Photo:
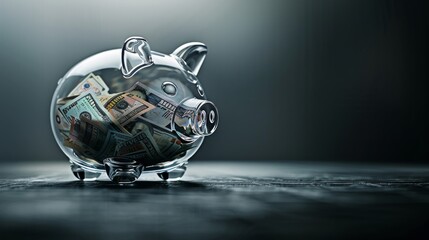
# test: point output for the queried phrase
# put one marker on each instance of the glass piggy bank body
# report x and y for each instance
(132, 110)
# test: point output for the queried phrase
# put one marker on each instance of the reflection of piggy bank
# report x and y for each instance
(131, 110)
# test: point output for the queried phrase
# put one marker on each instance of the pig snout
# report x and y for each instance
(195, 118)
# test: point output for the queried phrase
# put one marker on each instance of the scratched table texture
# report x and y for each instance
(219, 200)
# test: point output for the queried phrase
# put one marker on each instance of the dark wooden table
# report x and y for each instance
(219, 200)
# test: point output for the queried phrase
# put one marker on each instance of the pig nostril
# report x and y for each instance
(202, 118)
(212, 116)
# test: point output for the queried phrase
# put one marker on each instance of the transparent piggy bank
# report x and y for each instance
(131, 111)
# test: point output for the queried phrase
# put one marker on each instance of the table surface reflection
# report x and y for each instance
(219, 200)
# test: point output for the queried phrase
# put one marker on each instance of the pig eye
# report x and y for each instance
(200, 90)
(169, 88)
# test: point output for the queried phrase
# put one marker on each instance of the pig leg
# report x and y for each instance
(175, 174)
(83, 175)
(122, 170)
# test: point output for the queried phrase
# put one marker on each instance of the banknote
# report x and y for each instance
(94, 138)
(91, 133)
(64, 133)
(79, 147)
(168, 143)
(90, 83)
(87, 105)
(142, 147)
(61, 123)
(139, 126)
(106, 97)
(163, 112)
(112, 140)
(65, 100)
(126, 107)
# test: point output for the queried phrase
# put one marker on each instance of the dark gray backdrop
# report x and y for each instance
(313, 80)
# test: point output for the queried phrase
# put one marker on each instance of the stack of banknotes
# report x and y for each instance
(135, 123)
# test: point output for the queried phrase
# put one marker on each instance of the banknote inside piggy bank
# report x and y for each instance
(130, 110)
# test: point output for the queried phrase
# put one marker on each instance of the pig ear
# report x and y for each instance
(135, 56)
(193, 54)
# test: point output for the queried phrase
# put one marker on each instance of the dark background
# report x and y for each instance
(293, 80)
